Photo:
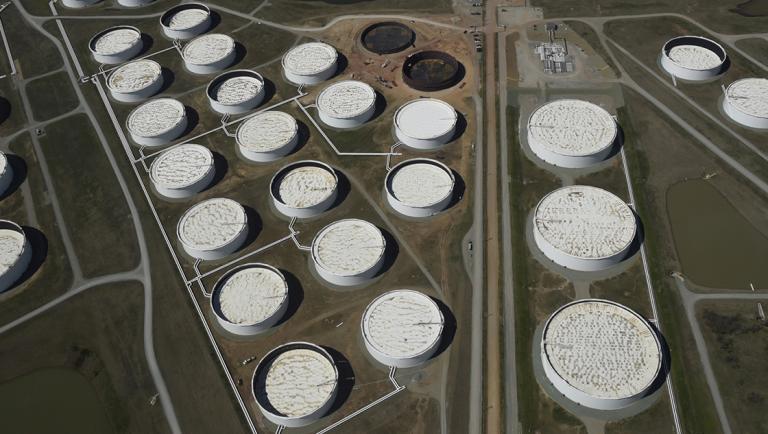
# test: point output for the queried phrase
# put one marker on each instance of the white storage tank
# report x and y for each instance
(236, 92)
(6, 173)
(746, 102)
(213, 229)
(186, 21)
(134, 3)
(420, 187)
(310, 63)
(135, 81)
(267, 136)
(182, 171)
(209, 54)
(584, 228)
(402, 328)
(295, 384)
(346, 104)
(693, 58)
(250, 299)
(116, 45)
(157, 122)
(15, 254)
(348, 252)
(304, 189)
(601, 354)
(425, 123)
(77, 4)
(572, 133)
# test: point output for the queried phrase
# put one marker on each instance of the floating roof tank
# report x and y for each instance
(420, 187)
(295, 369)
(134, 3)
(250, 299)
(182, 171)
(425, 123)
(236, 92)
(746, 102)
(601, 354)
(157, 122)
(310, 63)
(15, 254)
(346, 104)
(584, 228)
(79, 3)
(693, 58)
(402, 328)
(116, 45)
(6, 173)
(213, 229)
(135, 81)
(348, 252)
(186, 21)
(208, 54)
(304, 189)
(267, 136)
(572, 133)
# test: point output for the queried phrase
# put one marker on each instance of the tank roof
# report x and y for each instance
(572, 127)
(188, 18)
(310, 58)
(267, 131)
(346, 99)
(116, 40)
(348, 247)
(585, 222)
(306, 185)
(156, 117)
(134, 76)
(181, 166)
(207, 49)
(750, 96)
(426, 118)
(212, 224)
(602, 349)
(12, 244)
(421, 182)
(251, 294)
(237, 89)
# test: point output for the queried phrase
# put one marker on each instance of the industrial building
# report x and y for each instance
(208, 54)
(268, 136)
(572, 133)
(182, 171)
(420, 187)
(116, 45)
(601, 354)
(235, 92)
(15, 254)
(746, 102)
(135, 81)
(213, 229)
(693, 58)
(186, 21)
(402, 328)
(79, 3)
(250, 299)
(584, 228)
(425, 123)
(346, 104)
(6, 173)
(295, 384)
(310, 63)
(348, 252)
(304, 189)
(157, 122)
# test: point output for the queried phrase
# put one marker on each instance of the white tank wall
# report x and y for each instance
(164, 138)
(313, 78)
(188, 191)
(141, 94)
(16, 270)
(134, 3)
(345, 123)
(688, 73)
(569, 161)
(121, 57)
(402, 362)
(269, 156)
(211, 68)
(187, 33)
(351, 280)
(426, 144)
(574, 263)
(79, 3)
(6, 178)
(307, 212)
(221, 252)
(744, 118)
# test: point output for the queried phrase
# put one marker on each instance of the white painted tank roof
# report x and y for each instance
(749, 95)
(267, 131)
(116, 41)
(212, 224)
(403, 323)
(421, 184)
(187, 18)
(181, 166)
(348, 247)
(426, 118)
(310, 58)
(299, 382)
(694, 57)
(11, 247)
(3, 162)
(585, 222)
(134, 76)
(346, 99)
(252, 295)
(306, 186)
(572, 127)
(235, 90)
(602, 349)
(208, 49)
(156, 117)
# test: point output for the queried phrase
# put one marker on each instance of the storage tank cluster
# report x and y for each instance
(584, 228)
(572, 133)
(208, 54)
(310, 63)
(157, 122)
(425, 123)
(15, 254)
(6, 173)
(213, 229)
(267, 136)
(304, 189)
(116, 45)
(601, 354)
(746, 102)
(182, 171)
(693, 58)
(235, 92)
(420, 187)
(135, 81)
(186, 21)
(346, 104)
(348, 252)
